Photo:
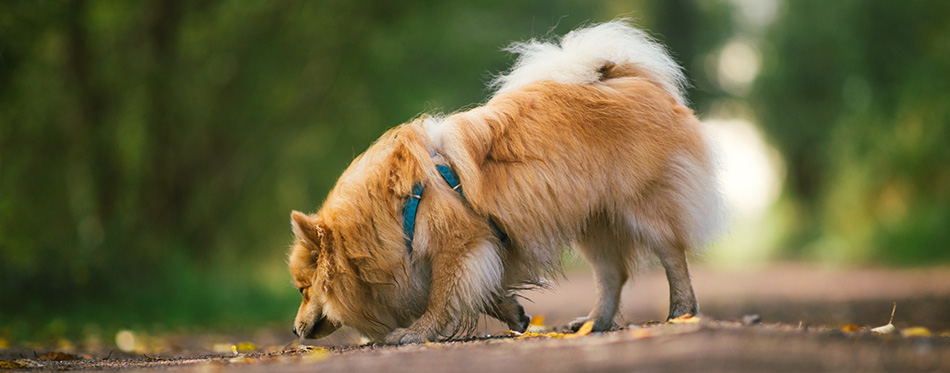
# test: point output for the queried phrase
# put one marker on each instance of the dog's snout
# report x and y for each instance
(294, 330)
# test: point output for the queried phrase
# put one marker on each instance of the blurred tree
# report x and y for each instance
(855, 94)
(150, 152)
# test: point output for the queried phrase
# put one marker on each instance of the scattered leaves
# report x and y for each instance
(537, 330)
(4, 364)
(57, 356)
(20, 363)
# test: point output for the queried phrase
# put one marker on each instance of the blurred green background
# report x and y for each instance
(151, 151)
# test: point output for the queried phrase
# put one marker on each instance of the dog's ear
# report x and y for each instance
(310, 232)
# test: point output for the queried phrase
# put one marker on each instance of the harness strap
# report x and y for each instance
(453, 181)
(409, 214)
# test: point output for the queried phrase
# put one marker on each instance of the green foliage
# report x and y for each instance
(854, 93)
(151, 151)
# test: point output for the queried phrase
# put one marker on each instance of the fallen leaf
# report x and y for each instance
(4, 364)
(245, 347)
(27, 363)
(886, 329)
(916, 332)
(582, 331)
(889, 328)
(685, 319)
(316, 354)
(850, 328)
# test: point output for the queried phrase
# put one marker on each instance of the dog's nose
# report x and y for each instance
(295, 331)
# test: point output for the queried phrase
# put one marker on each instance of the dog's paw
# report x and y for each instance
(680, 310)
(406, 336)
(599, 325)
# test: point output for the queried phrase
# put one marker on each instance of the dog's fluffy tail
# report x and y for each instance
(581, 56)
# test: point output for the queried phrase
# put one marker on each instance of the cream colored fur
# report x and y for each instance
(583, 144)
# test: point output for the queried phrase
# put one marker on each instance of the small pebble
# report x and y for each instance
(751, 319)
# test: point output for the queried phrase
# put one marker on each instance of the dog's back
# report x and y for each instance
(595, 126)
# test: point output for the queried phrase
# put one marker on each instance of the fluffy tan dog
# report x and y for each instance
(586, 142)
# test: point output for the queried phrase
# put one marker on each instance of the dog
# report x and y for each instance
(586, 141)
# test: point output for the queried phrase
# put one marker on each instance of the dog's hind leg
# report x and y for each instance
(682, 298)
(507, 309)
(610, 258)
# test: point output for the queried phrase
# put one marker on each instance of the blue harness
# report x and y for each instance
(412, 203)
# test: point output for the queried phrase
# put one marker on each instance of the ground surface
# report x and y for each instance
(812, 319)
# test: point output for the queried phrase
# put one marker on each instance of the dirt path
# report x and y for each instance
(803, 310)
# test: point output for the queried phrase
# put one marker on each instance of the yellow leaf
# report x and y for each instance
(245, 347)
(584, 330)
(534, 335)
(915, 332)
(4, 364)
(316, 354)
(850, 328)
(685, 319)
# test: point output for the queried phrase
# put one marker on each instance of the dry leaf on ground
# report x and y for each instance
(685, 319)
(889, 328)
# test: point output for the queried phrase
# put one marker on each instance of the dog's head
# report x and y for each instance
(310, 266)
(349, 260)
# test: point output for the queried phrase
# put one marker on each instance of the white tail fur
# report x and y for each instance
(581, 53)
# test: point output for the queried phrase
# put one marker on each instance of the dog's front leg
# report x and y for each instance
(464, 280)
